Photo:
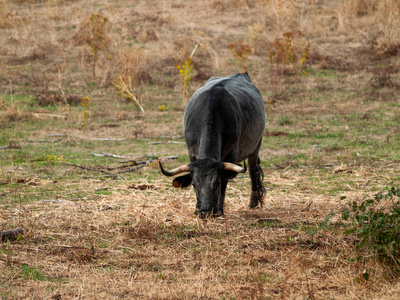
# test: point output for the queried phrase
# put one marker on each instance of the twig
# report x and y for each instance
(131, 161)
(107, 139)
(43, 141)
(140, 165)
(133, 169)
(4, 194)
(48, 115)
(167, 142)
(194, 50)
(58, 135)
(88, 168)
(171, 136)
(114, 176)
(98, 155)
(11, 234)
(168, 157)
(116, 156)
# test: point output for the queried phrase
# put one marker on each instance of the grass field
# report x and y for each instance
(79, 159)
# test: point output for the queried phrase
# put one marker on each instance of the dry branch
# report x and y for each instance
(167, 142)
(107, 139)
(168, 157)
(114, 176)
(140, 165)
(43, 141)
(58, 135)
(11, 234)
(88, 168)
(103, 154)
(132, 169)
(39, 115)
(171, 136)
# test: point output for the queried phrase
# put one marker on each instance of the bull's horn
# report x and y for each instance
(181, 169)
(235, 168)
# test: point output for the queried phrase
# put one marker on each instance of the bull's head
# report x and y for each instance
(208, 178)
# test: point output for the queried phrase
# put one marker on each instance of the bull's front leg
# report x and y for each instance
(221, 200)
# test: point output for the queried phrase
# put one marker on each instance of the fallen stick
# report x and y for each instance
(88, 168)
(132, 169)
(48, 115)
(98, 155)
(168, 157)
(97, 177)
(4, 194)
(140, 165)
(107, 139)
(58, 135)
(115, 156)
(171, 136)
(167, 142)
(131, 161)
(10, 235)
(120, 167)
(43, 141)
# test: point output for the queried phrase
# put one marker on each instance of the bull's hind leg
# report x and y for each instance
(256, 175)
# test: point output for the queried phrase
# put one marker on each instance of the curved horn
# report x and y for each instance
(181, 169)
(235, 168)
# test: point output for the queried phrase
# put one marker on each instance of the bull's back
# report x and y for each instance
(244, 102)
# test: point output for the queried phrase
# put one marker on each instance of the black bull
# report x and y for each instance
(223, 125)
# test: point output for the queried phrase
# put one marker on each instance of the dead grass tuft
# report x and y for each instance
(3, 13)
(258, 38)
(375, 23)
(56, 99)
(15, 114)
(132, 64)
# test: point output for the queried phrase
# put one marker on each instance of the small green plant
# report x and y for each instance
(86, 105)
(241, 52)
(12, 75)
(378, 228)
(97, 36)
(185, 71)
(375, 225)
(53, 159)
(31, 273)
(285, 120)
(290, 51)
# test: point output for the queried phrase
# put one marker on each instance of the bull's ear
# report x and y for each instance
(182, 181)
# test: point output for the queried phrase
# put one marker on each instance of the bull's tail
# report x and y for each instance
(260, 186)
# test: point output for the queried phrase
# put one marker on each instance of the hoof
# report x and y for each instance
(255, 199)
(204, 214)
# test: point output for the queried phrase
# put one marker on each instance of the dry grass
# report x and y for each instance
(332, 134)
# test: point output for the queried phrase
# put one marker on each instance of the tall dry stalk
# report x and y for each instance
(125, 90)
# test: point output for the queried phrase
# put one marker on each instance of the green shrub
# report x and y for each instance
(378, 228)
(375, 224)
